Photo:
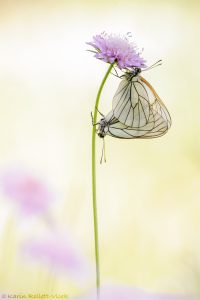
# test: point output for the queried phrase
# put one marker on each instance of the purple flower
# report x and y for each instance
(57, 251)
(114, 48)
(30, 193)
(131, 293)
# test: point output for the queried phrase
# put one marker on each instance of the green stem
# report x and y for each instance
(96, 237)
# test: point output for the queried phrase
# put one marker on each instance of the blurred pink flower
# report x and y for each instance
(31, 194)
(131, 293)
(57, 251)
(114, 48)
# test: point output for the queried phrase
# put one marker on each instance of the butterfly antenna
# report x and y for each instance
(104, 149)
(101, 156)
(103, 153)
(156, 64)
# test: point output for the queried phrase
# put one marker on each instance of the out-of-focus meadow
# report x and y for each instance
(148, 191)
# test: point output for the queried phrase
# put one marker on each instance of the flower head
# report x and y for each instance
(114, 48)
(57, 251)
(30, 193)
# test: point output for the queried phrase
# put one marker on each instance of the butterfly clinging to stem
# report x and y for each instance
(137, 110)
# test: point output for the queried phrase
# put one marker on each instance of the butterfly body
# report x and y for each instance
(133, 73)
(102, 127)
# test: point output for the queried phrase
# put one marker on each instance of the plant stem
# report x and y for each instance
(96, 236)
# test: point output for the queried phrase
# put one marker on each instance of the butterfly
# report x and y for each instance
(137, 110)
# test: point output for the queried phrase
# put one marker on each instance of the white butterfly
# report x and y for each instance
(137, 112)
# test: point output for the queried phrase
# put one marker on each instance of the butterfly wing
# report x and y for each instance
(119, 130)
(158, 124)
(156, 127)
(157, 105)
(131, 103)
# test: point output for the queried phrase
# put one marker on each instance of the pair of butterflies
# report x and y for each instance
(137, 110)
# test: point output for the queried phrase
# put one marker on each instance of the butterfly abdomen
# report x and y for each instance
(102, 128)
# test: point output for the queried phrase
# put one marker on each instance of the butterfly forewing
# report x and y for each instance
(131, 105)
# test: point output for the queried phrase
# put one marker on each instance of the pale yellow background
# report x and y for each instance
(148, 191)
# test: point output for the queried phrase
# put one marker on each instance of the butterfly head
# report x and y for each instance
(136, 71)
(133, 73)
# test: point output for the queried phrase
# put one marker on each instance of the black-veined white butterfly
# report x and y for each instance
(133, 99)
(138, 111)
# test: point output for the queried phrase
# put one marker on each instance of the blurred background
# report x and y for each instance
(148, 191)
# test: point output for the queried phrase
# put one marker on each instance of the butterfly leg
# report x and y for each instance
(99, 112)
(116, 74)
(93, 121)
